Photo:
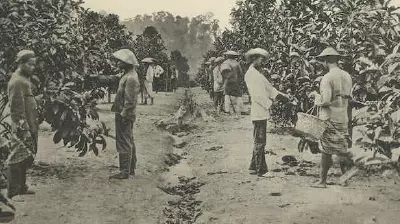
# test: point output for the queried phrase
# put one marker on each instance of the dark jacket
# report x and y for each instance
(127, 94)
(233, 77)
(23, 104)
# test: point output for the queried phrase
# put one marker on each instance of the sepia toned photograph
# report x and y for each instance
(200, 112)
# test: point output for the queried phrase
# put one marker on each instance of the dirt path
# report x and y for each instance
(210, 184)
(219, 154)
(76, 190)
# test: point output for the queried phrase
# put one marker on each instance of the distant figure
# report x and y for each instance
(148, 82)
(24, 123)
(218, 85)
(233, 78)
(174, 79)
(210, 76)
(124, 108)
(158, 71)
(335, 90)
(262, 95)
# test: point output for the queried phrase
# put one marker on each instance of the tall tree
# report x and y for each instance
(181, 64)
(192, 37)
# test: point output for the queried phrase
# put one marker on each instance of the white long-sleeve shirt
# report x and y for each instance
(262, 94)
(158, 71)
(150, 74)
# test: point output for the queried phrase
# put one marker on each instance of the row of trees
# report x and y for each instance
(192, 37)
(295, 31)
(73, 45)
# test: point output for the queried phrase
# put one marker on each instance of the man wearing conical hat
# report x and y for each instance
(24, 123)
(148, 82)
(124, 108)
(233, 80)
(333, 100)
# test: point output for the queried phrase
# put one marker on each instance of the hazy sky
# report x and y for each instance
(130, 8)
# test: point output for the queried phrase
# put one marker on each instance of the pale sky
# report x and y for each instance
(190, 8)
(130, 8)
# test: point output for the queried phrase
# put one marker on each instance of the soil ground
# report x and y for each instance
(76, 190)
(236, 197)
(70, 189)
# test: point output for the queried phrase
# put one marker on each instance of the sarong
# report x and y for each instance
(23, 146)
(334, 139)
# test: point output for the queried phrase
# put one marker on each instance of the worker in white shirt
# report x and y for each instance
(148, 82)
(262, 95)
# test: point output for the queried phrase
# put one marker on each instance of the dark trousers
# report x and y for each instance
(173, 84)
(157, 84)
(218, 100)
(258, 162)
(16, 178)
(125, 144)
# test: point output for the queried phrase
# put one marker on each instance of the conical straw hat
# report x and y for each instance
(256, 51)
(126, 56)
(328, 52)
(233, 53)
(148, 60)
(219, 59)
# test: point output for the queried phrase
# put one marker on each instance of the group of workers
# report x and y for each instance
(225, 81)
(332, 100)
(227, 77)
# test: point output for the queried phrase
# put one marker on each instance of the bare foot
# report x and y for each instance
(17, 198)
(253, 172)
(319, 185)
(267, 175)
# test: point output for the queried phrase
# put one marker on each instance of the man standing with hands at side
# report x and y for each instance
(125, 113)
(24, 123)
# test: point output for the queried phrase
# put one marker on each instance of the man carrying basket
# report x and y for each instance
(333, 101)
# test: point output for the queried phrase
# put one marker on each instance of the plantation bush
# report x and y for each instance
(72, 44)
(295, 31)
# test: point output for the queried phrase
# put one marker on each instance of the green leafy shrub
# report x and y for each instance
(72, 45)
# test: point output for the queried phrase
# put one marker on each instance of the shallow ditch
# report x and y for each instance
(184, 208)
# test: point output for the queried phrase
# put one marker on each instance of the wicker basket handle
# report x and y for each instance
(312, 109)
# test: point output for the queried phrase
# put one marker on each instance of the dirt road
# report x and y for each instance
(220, 157)
(216, 158)
(76, 190)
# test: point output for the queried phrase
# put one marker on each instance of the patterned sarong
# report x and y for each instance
(23, 145)
(334, 139)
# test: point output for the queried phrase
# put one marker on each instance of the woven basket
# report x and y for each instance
(310, 126)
